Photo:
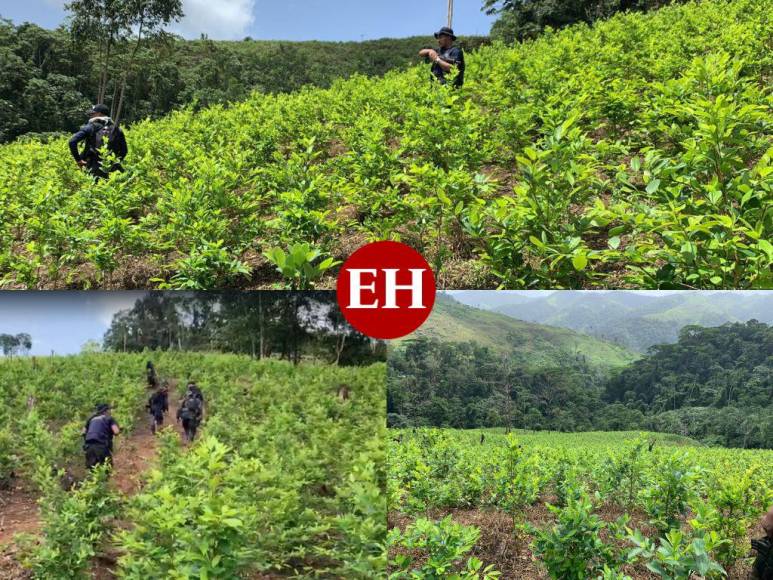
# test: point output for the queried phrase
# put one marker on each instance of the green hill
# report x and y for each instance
(48, 80)
(634, 153)
(530, 345)
(639, 321)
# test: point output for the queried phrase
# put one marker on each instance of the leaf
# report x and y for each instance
(614, 242)
(653, 186)
(766, 247)
(580, 261)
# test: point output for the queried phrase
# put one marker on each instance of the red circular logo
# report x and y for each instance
(386, 290)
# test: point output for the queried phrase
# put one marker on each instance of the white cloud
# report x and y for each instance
(218, 19)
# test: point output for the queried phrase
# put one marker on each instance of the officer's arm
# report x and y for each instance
(115, 429)
(445, 65)
(74, 141)
(451, 60)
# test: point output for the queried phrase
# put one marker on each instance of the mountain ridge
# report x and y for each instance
(533, 345)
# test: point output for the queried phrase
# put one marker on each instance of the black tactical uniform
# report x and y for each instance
(98, 438)
(763, 565)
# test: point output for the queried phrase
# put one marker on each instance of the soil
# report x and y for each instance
(510, 552)
(18, 512)
(135, 455)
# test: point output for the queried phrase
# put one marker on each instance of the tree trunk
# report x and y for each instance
(103, 77)
(260, 324)
(129, 65)
(340, 348)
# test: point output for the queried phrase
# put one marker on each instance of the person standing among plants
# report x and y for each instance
(150, 371)
(158, 405)
(191, 411)
(99, 130)
(98, 436)
(449, 58)
(763, 565)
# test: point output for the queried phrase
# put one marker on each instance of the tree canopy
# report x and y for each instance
(287, 325)
(521, 19)
(714, 384)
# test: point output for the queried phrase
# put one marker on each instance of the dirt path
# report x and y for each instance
(139, 451)
(18, 512)
(135, 455)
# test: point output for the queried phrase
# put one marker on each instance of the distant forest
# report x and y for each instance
(49, 78)
(285, 325)
(714, 385)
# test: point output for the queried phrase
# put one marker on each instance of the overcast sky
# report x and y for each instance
(292, 19)
(493, 298)
(61, 321)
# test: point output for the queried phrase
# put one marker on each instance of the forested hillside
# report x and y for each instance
(638, 321)
(48, 79)
(715, 385)
(468, 385)
(633, 153)
(529, 345)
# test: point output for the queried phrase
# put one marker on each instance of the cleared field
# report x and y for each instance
(572, 506)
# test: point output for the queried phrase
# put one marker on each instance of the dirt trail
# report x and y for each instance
(139, 451)
(18, 512)
(135, 455)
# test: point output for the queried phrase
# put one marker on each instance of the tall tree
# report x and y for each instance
(147, 17)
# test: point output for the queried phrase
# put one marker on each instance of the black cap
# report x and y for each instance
(102, 408)
(101, 109)
(446, 31)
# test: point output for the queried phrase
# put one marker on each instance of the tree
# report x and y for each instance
(521, 19)
(104, 22)
(147, 17)
(111, 23)
(91, 347)
(15, 344)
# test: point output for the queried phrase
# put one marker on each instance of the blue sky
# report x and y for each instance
(293, 19)
(61, 321)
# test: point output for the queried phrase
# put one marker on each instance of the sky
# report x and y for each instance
(61, 321)
(494, 298)
(292, 19)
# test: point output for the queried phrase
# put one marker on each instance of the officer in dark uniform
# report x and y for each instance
(763, 565)
(150, 370)
(191, 411)
(158, 405)
(448, 58)
(99, 130)
(98, 437)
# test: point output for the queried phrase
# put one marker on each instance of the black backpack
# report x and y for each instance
(192, 407)
(115, 139)
(763, 565)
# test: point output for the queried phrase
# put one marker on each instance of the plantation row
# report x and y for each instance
(682, 509)
(635, 153)
(286, 477)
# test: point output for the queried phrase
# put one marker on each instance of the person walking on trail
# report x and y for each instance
(98, 437)
(100, 130)
(449, 58)
(150, 370)
(193, 390)
(763, 565)
(191, 411)
(158, 405)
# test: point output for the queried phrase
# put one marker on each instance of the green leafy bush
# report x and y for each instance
(573, 549)
(74, 524)
(633, 153)
(677, 556)
(444, 544)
